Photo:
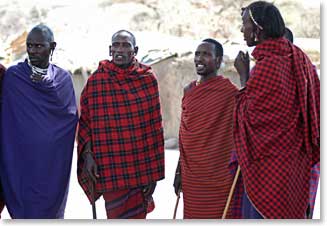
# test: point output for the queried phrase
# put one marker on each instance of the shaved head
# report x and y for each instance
(46, 31)
(125, 33)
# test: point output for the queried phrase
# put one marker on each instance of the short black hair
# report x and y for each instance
(125, 31)
(219, 51)
(288, 34)
(45, 30)
(268, 16)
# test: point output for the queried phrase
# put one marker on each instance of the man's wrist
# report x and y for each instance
(87, 152)
(243, 80)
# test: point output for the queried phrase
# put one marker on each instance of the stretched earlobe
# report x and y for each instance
(136, 49)
(257, 33)
(51, 54)
(256, 37)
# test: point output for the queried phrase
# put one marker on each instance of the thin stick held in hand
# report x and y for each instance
(176, 205)
(231, 192)
(94, 211)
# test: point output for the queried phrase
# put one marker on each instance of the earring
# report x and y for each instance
(51, 55)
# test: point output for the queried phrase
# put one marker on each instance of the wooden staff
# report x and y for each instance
(231, 192)
(176, 205)
(94, 210)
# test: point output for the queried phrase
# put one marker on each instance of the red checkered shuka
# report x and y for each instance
(276, 129)
(121, 117)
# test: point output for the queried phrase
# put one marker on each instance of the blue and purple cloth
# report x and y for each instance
(38, 123)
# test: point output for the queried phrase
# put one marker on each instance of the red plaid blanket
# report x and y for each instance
(276, 129)
(121, 117)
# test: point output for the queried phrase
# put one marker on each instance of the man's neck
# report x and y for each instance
(204, 78)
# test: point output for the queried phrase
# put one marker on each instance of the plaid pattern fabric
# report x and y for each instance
(276, 129)
(121, 117)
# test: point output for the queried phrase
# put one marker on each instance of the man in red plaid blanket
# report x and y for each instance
(276, 120)
(120, 138)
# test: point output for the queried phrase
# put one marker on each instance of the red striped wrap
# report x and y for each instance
(206, 141)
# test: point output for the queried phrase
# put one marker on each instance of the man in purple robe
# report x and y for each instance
(38, 123)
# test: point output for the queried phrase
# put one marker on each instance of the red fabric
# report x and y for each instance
(121, 117)
(206, 142)
(276, 129)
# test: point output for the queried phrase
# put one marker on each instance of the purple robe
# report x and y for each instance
(38, 123)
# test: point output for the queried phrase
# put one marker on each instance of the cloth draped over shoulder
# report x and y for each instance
(277, 129)
(206, 143)
(121, 117)
(38, 123)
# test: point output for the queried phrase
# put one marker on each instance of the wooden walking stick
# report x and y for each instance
(176, 205)
(231, 192)
(94, 210)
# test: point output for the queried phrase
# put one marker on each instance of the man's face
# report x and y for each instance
(248, 28)
(205, 60)
(38, 49)
(122, 50)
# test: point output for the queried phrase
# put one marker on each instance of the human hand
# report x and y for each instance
(242, 65)
(149, 189)
(90, 166)
(178, 183)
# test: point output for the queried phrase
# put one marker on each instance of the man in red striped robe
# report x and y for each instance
(120, 138)
(277, 118)
(205, 137)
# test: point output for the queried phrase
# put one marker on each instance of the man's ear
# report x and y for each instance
(219, 60)
(110, 53)
(53, 45)
(258, 34)
(136, 49)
